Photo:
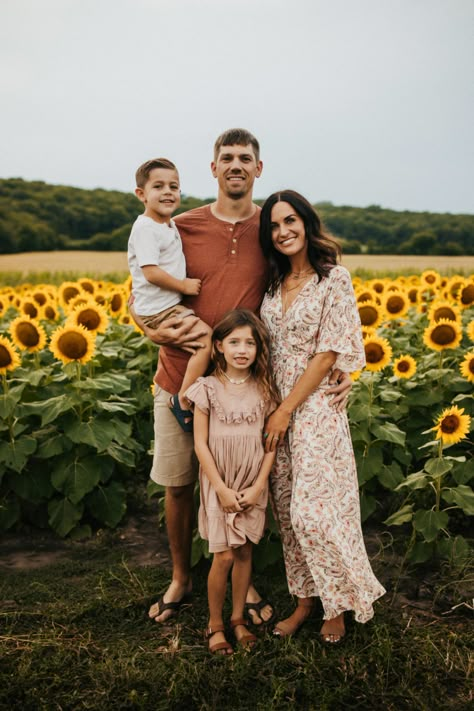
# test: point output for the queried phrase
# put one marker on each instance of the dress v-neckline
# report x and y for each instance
(284, 313)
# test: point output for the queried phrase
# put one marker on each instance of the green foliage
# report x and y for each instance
(36, 216)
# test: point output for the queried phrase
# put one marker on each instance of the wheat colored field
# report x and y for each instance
(95, 263)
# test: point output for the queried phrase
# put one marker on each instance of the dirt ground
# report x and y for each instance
(111, 262)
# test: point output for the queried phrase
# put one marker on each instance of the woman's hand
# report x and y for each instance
(341, 389)
(229, 500)
(275, 429)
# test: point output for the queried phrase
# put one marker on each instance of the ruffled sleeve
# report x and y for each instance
(340, 329)
(198, 394)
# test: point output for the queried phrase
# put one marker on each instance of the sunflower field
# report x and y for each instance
(76, 408)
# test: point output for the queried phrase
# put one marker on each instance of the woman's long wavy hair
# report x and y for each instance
(260, 368)
(323, 250)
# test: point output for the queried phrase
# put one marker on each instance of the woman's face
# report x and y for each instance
(288, 233)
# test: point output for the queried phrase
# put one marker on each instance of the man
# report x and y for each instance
(221, 246)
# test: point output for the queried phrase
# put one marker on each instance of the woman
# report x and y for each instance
(311, 314)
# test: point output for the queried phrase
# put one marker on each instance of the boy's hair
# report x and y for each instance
(260, 368)
(237, 137)
(143, 172)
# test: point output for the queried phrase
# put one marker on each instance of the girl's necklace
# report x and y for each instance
(234, 381)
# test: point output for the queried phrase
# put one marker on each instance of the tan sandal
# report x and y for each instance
(248, 640)
(223, 648)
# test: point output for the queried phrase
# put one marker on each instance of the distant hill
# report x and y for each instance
(37, 216)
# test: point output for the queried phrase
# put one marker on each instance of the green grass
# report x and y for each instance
(75, 635)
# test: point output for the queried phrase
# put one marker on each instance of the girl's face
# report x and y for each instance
(239, 349)
(288, 232)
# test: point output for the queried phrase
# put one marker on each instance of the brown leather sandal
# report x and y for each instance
(247, 641)
(223, 648)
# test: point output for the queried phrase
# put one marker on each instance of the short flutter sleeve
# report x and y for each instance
(340, 328)
(198, 394)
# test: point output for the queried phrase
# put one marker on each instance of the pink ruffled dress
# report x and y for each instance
(236, 418)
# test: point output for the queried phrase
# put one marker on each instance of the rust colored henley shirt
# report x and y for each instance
(228, 259)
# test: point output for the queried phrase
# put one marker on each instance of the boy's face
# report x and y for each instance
(236, 169)
(160, 194)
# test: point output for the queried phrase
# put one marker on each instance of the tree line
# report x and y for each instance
(37, 216)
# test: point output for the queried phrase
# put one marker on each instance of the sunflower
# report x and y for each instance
(452, 425)
(87, 285)
(453, 286)
(441, 308)
(366, 294)
(395, 303)
(367, 331)
(355, 375)
(29, 307)
(90, 315)
(67, 291)
(117, 301)
(442, 334)
(412, 293)
(465, 296)
(467, 367)
(72, 343)
(378, 285)
(370, 314)
(27, 334)
(470, 330)
(404, 367)
(430, 278)
(127, 284)
(378, 353)
(9, 356)
(49, 312)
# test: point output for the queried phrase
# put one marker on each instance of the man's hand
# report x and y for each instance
(175, 332)
(341, 388)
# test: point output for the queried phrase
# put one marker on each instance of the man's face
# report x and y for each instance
(236, 169)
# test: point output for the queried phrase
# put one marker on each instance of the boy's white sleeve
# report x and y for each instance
(147, 246)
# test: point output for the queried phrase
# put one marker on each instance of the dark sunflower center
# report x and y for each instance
(69, 293)
(27, 334)
(72, 345)
(374, 353)
(30, 309)
(450, 424)
(467, 294)
(116, 303)
(368, 315)
(443, 335)
(403, 366)
(444, 312)
(89, 318)
(5, 357)
(395, 304)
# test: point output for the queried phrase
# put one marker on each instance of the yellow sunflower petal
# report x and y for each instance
(442, 334)
(378, 353)
(9, 356)
(71, 343)
(467, 367)
(27, 334)
(404, 367)
(452, 425)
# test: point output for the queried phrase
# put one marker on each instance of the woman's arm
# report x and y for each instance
(228, 497)
(318, 367)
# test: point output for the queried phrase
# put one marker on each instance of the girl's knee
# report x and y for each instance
(223, 559)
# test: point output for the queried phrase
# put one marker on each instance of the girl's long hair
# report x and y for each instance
(323, 250)
(260, 368)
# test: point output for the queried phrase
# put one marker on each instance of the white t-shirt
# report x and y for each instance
(151, 242)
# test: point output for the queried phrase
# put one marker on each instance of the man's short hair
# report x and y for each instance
(237, 137)
(143, 172)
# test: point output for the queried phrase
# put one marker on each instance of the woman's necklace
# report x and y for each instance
(301, 275)
(234, 381)
(300, 285)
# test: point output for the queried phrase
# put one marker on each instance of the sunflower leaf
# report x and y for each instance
(77, 477)
(429, 523)
(15, 454)
(388, 432)
(63, 515)
(437, 466)
(390, 475)
(98, 433)
(417, 480)
(107, 503)
(462, 496)
(401, 516)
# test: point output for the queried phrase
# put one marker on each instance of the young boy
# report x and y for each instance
(158, 268)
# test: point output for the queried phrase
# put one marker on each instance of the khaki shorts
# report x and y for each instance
(154, 320)
(174, 461)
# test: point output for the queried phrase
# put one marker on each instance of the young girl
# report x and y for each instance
(229, 415)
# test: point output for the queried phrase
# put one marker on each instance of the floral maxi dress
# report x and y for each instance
(314, 480)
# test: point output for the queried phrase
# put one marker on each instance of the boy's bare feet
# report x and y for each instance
(333, 630)
(170, 603)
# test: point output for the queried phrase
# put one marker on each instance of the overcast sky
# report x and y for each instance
(357, 102)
